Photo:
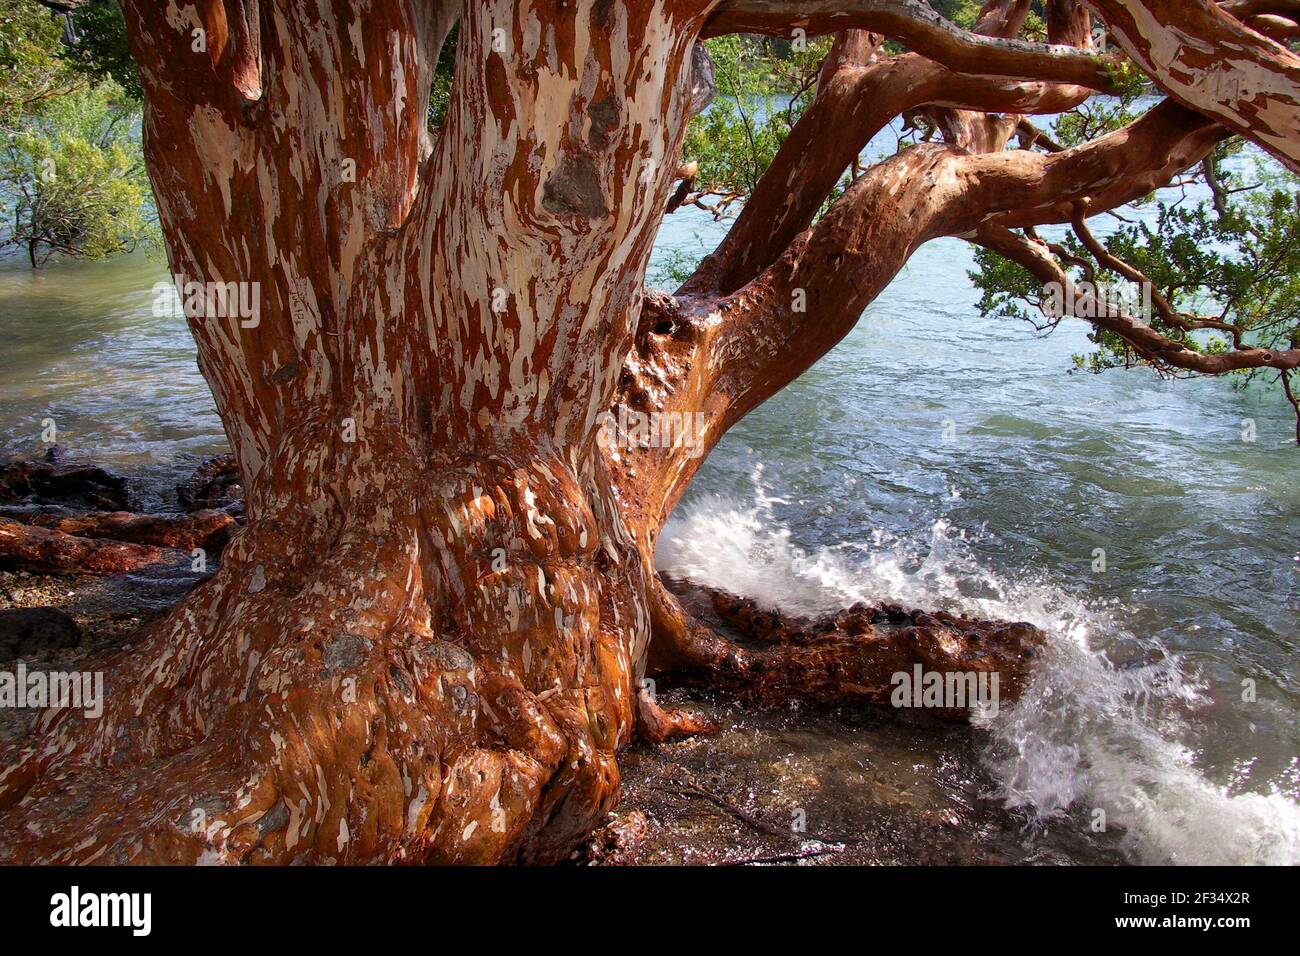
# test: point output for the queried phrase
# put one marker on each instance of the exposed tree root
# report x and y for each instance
(208, 529)
(46, 551)
(848, 657)
(460, 714)
(657, 724)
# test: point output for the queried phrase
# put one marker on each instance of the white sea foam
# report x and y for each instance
(1086, 734)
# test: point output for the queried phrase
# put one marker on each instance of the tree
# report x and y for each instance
(428, 642)
(72, 181)
(98, 47)
(33, 72)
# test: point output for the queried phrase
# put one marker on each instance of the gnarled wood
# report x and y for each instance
(851, 657)
(427, 644)
(916, 24)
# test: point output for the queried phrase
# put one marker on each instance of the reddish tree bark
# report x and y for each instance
(1201, 54)
(427, 644)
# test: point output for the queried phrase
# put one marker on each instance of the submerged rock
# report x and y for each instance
(50, 481)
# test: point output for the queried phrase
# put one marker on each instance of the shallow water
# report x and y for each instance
(939, 459)
(933, 459)
(83, 347)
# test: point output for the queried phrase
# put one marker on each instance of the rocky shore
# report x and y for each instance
(777, 782)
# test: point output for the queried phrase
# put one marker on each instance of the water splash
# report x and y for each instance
(1088, 733)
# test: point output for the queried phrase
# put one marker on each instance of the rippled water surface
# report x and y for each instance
(933, 459)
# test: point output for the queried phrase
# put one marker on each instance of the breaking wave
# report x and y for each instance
(1087, 733)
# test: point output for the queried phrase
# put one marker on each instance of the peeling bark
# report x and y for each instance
(427, 644)
(1207, 59)
(423, 646)
(916, 24)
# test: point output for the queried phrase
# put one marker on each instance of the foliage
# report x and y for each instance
(443, 75)
(99, 48)
(1098, 116)
(676, 266)
(763, 88)
(961, 12)
(1233, 262)
(72, 179)
(32, 71)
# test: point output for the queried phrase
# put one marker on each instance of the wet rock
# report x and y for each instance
(215, 484)
(615, 843)
(51, 481)
(29, 631)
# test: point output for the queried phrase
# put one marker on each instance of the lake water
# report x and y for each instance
(933, 459)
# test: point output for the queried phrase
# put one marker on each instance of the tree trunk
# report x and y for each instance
(423, 647)
(427, 643)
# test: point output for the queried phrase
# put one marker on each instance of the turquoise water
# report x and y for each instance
(844, 488)
(934, 458)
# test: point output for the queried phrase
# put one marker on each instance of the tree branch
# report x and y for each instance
(859, 93)
(922, 29)
(1207, 59)
(722, 355)
(1163, 306)
(1151, 345)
